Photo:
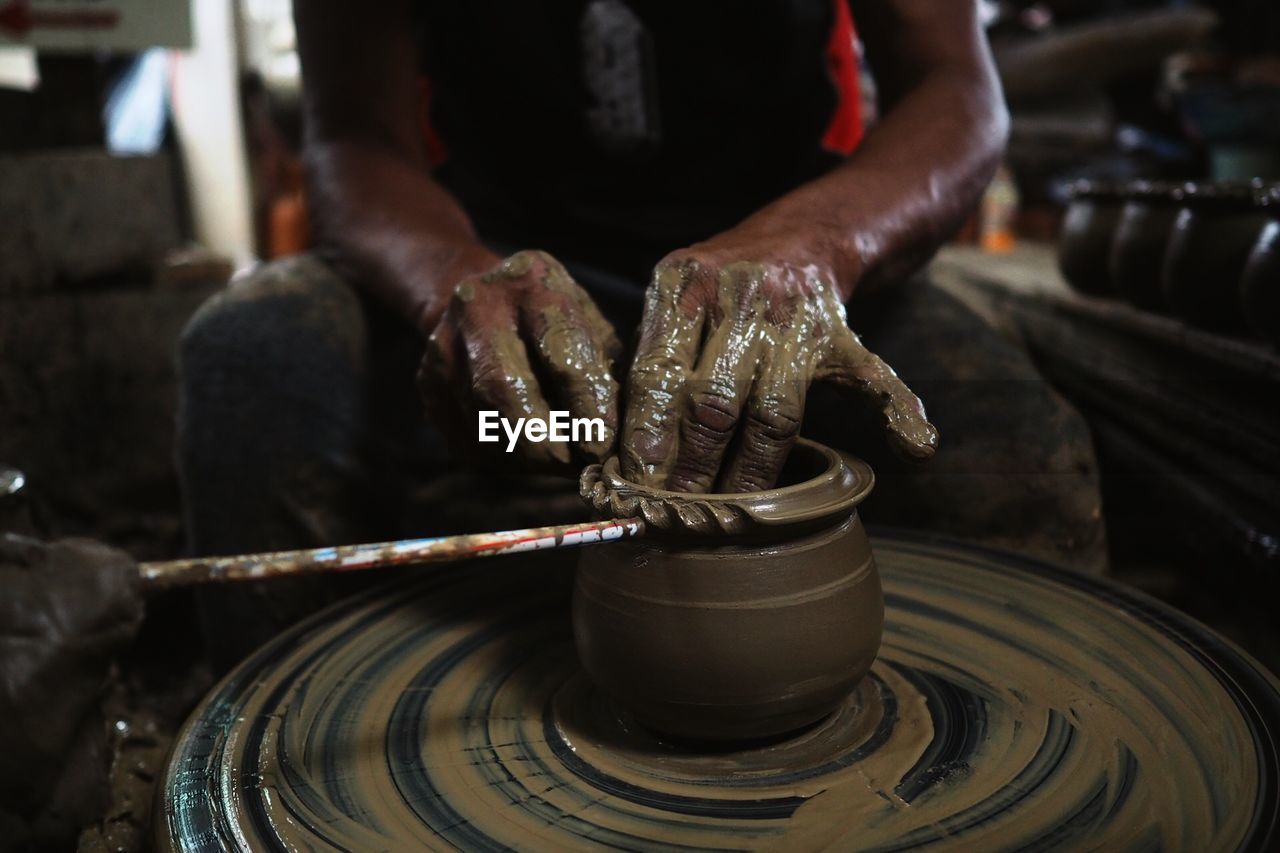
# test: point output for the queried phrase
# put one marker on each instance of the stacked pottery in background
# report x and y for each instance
(1260, 280)
(1142, 240)
(1205, 252)
(1088, 232)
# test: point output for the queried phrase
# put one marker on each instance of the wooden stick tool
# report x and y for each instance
(349, 558)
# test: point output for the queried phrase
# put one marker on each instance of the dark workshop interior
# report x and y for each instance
(886, 394)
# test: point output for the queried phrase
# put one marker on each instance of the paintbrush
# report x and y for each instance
(348, 558)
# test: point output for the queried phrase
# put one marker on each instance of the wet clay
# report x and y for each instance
(751, 633)
(726, 356)
(1011, 705)
(731, 643)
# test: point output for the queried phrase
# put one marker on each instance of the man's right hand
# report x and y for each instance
(519, 339)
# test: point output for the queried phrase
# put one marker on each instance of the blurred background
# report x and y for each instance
(150, 151)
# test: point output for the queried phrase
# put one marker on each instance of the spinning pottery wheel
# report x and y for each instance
(1012, 706)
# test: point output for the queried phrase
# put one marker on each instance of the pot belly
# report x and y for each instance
(733, 642)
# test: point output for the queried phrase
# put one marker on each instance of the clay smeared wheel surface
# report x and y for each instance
(1013, 706)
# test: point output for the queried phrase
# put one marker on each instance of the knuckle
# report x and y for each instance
(689, 481)
(647, 443)
(715, 412)
(775, 421)
(677, 260)
(682, 267)
(490, 377)
(464, 292)
(755, 470)
(655, 370)
(538, 257)
(488, 381)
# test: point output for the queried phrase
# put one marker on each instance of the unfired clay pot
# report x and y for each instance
(1260, 284)
(1088, 230)
(738, 616)
(1141, 239)
(1215, 231)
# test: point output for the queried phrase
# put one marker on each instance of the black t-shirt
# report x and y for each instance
(614, 132)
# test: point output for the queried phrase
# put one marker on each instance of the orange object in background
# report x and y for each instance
(997, 214)
(289, 225)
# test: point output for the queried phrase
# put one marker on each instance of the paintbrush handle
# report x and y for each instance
(348, 558)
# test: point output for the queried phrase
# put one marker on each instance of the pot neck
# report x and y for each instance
(827, 488)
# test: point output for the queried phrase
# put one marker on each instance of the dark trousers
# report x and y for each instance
(300, 425)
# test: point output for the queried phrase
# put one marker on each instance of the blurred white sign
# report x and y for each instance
(18, 68)
(96, 24)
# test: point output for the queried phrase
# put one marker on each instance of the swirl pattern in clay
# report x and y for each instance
(1013, 706)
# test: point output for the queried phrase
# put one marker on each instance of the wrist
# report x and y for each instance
(802, 243)
(811, 230)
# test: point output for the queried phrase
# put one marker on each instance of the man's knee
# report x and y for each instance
(283, 310)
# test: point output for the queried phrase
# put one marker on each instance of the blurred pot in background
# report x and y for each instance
(1141, 241)
(1084, 247)
(1260, 282)
(1215, 232)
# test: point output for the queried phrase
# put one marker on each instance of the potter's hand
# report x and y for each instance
(519, 339)
(727, 350)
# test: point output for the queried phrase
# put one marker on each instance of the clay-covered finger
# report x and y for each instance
(771, 421)
(670, 333)
(556, 278)
(717, 391)
(602, 330)
(852, 364)
(574, 356)
(501, 376)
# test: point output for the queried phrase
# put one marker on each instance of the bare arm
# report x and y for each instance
(909, 186)
(491, 326)
(738, 326)
(379, 214)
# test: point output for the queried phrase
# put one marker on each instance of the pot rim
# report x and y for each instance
(842, 484)
(1242, 195)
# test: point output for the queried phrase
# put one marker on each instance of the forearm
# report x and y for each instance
(379, 216)
(387, 225)
(883, 212)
